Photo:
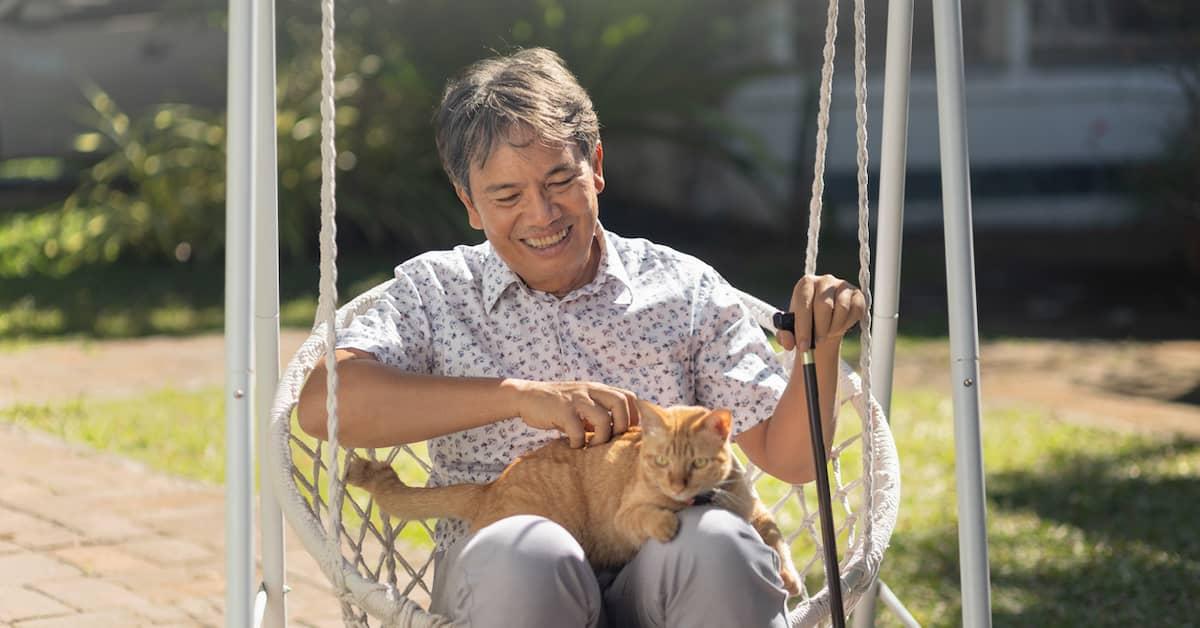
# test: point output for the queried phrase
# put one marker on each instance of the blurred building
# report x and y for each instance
(142, 52)
(1061, 96)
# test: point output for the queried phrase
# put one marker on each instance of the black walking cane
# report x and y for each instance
(786, 321)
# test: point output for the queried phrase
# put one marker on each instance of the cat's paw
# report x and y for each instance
(663, 525)
(366, 473)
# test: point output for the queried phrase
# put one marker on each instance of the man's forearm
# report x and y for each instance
(788, 437)
(380, 406)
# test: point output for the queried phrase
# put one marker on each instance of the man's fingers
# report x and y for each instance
(786, 340)
(598, 418)
(802, 298)
(843, 311)
(635, 413)
(860, 305)
(822, 311)
(616, 404)
(573, 428)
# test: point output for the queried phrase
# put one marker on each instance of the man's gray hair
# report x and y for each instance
(503, 98)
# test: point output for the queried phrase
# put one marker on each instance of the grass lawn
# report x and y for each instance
(1086, 527)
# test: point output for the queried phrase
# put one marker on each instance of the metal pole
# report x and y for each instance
(892, 166)
(266, 304)
(964, 330)
(239, 198)
(886, 295)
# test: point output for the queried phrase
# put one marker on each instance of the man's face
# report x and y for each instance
(538, 207)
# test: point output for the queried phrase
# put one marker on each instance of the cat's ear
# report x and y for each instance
(720, 422)
(650, 418)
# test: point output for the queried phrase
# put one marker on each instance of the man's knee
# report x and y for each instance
(715, 537)
(522, 571)
(523, 545)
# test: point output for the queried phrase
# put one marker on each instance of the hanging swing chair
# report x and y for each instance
(369, 558)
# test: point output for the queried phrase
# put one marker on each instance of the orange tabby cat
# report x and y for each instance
(679, 453)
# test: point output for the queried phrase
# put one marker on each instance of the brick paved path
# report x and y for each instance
(90, 540)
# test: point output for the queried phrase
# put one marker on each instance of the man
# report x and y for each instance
(555, 326)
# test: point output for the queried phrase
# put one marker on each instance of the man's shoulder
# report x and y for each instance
(647, 259)
(461, 266)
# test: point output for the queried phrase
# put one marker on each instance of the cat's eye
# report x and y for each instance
(661, 461)
(700, 463)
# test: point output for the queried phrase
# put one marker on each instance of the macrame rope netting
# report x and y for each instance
(377, 593)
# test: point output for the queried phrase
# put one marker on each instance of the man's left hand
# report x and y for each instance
(825, 304)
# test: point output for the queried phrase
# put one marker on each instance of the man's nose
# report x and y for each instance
(544, 210)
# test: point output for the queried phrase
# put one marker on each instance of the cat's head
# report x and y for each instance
(685, 449)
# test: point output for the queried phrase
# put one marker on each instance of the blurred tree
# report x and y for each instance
(654, 69)
(1170, 184)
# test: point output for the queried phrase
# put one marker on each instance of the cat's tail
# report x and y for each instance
(396, 498)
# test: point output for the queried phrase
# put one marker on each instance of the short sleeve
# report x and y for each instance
(736, 367)
(395, 330)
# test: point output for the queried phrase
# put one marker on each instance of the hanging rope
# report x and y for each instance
(327, 303)
(818, 185)
(864, 246)
(864, 236)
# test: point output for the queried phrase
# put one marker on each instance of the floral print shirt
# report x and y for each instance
(653, 321)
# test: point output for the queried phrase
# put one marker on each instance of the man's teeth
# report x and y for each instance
(550, 240)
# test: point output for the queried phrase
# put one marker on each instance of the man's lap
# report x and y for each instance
(530, 561)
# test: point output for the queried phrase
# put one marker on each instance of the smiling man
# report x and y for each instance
(555, 326)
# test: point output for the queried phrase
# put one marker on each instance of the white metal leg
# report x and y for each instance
(266, 303)
(239, 198)
(964, 329)
(885, 310)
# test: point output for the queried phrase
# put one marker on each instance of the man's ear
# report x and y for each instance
(598, 168)
(472, 213)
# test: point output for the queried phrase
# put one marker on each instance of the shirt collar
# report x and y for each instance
(497, 276)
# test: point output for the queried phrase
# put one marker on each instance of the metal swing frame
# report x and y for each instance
(252, 298)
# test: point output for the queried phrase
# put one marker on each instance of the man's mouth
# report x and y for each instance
(546, 242)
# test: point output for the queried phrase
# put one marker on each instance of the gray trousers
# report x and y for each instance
(530, 572)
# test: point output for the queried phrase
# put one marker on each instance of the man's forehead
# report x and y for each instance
(506, 155)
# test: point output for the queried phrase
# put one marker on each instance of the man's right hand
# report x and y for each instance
(574, 408)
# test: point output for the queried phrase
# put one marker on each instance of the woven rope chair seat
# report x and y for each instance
(386, 567)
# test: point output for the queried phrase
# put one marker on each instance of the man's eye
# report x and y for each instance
(507, 200)
(562, 183)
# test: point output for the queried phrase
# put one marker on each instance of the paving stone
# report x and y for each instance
(13, 521)
(103, 559)
(48, 536)
(107, 618)
(159, 614)
(168, 551)
(172, 585)
(204, 610)
(89, 593)
(17, 603)
(203, 527)
(24, 567)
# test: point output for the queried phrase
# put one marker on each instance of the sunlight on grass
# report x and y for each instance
(181, 433)
(1078, 518)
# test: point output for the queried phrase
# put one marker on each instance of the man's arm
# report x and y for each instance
(382, 406)
(782, 444)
